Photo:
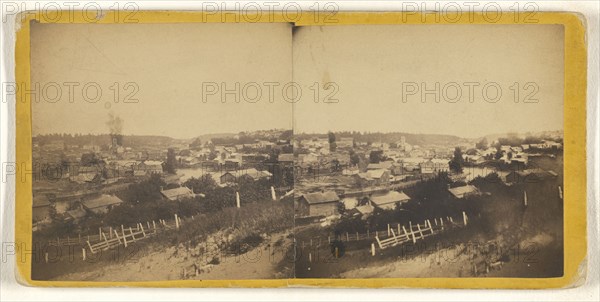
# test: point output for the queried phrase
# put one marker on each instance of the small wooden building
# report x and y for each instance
(319, 204)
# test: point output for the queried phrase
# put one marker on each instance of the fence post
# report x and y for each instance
(124, 239)
(46, 257)
(560, 192)
(132, 235)
(388, 225)
(176, 222)
(356, 236)
(413, 235)
(405, 233)
(368, 234)
(154, 226)
(122, 230)
(105, 240)
(110, 232)
(117, 235)
(83, 253)
(420, 232)
(410, 225)
(442, 223)
(347, 237)
(430, 226)
(435, 220)
(329, 239)
(398, 227)
(90, 246)
(372, 249)
(148, 224)
(395, 238)
(465, 218)
(143, 232)
(378, 242)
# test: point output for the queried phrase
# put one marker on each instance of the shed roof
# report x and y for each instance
(174, 194)
(286, 157)
(104, 200)
(460, 191)
(365, 209)
(390, 197)
(318, 197)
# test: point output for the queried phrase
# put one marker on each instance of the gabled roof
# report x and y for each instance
(103, 201)
(286, 157)
(350, 202)
(174, 194)
(152, 163)
(255, 174)
(412, 160)
(380, 165)
(460, 191)
(376, 174)
(365, 209)
(390, 197)
(77, 213)
(318, 197)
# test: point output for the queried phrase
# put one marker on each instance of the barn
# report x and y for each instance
(319, 203)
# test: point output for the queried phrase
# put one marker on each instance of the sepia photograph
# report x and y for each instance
(227, 151)
(441, 155)
(164, 163)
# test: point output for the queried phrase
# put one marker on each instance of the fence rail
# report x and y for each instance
(109, 237)
(394, 232)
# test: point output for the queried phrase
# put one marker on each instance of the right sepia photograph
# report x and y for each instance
(432, 151)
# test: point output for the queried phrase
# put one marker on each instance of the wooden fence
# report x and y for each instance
(393, 232)
(416, 232)
(109, 237)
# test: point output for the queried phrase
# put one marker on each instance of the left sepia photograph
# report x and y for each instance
(162, 152)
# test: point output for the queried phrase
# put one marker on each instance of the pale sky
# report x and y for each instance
(368, 63)
(169, 63)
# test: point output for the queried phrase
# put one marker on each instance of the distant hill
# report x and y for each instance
(393, 137)
(541, 134)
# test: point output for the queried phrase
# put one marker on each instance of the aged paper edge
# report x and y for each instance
(574, 151)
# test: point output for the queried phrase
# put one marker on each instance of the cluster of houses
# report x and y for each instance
(92, 175)
(94, 204)
(328, 203)
(392, 172)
